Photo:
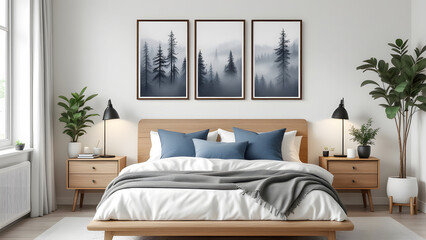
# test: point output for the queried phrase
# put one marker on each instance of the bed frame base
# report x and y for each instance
(220, 228)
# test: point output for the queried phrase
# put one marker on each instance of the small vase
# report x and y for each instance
(402, 189)
(74, 148)
(325, 153)
(364, 151)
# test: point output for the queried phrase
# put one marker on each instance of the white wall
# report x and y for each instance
(95, 46)
(417, 161)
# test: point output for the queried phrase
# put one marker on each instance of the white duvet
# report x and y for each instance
(197, 204)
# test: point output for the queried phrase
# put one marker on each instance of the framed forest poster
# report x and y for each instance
(219, 59)
(162, 55)
(276, 59)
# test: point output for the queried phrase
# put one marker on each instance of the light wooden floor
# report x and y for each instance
(30, 228)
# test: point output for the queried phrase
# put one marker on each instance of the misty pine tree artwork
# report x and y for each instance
(276, 59)
(219, 59)
(162, 59)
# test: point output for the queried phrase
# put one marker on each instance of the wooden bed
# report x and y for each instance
(219, 228)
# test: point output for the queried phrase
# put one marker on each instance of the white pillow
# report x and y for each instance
(288, 147)
(155, 152)
(295, 155)
(226, 136)
(297, 142)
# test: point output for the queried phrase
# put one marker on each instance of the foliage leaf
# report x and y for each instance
(76, 116)
(392, 111)
(401, 87)
(366, 82)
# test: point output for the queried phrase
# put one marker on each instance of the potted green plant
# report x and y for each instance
(19, 145)
(76, 118)
(401, 85)
(325, 153)
(364, 136)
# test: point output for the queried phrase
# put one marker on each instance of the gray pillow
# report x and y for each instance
(176, 144)
(265, 145)
(207, 149)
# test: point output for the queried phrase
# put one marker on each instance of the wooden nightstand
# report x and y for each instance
(91, 174)
(354, 174)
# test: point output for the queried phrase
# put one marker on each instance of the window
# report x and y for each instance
(5, 128)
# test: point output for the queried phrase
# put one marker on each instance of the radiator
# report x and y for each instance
(14, 192)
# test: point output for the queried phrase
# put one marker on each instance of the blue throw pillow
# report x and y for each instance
(208, 149)
(176, 144)
(261, 145)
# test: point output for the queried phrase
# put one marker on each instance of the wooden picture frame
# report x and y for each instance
(267, 88)
(176, 87)
(220, 91)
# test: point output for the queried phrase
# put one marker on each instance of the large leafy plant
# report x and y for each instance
(401, 86)
(364, 135)
(76, 116)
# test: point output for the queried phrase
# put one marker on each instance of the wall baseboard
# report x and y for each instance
(422, 206)
(88, 200)
(347, 200)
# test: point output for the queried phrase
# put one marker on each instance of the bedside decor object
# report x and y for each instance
(162, 59)
(401, 85)
(76, 118)
(325, 153)
(109, 114)
(86, 150)
(219, 63)
(364, 137)
(276, 59)
(97, 150)
(351, 153)
(84, 175)
(19, 145)
(341, 113)
(358, 174)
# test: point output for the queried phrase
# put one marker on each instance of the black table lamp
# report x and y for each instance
(341, 113)
(110, 113)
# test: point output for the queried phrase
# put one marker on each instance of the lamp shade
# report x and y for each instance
(110, 112)
(340, 112)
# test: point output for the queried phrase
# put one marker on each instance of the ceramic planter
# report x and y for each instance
(74, 148)
(364, 151)
(325, 153)
(401, 189)
(20, 147)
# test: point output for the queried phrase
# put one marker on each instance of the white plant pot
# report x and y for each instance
(74, 148)
(402, 189)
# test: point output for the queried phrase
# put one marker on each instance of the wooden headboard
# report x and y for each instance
(193, 125)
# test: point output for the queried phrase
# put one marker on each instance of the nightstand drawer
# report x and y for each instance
(93, 167)
(352, 167)
(90, 180)
(355, 181)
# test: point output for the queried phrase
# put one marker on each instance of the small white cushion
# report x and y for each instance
(289, 149)
(295, 155)
(155, 152)
(297, 142)
(226, 136)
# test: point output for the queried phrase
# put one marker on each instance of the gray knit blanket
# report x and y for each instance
(279, 191)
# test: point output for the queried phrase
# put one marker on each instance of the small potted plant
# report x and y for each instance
(364, 136)
(19, 145)
(325, 153)
(76, 117)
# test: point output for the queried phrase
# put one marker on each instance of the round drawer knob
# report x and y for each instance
(93, 181)
(93, 168)
(353, 167)
(353, 181)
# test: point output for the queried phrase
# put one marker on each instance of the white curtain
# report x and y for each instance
(43, 188)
